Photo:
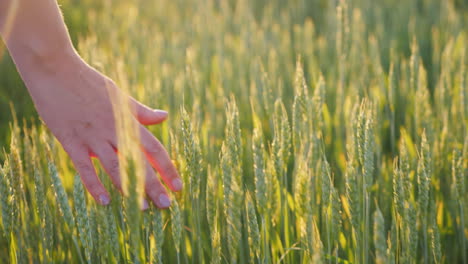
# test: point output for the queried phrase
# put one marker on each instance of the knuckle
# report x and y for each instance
(93, 186)
(154, 149)
(66, 139)
(152, 187)
(83, 168)
(114, 167)
(168, 169)
(152, 192)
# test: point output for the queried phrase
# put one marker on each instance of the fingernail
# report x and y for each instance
(177, 184)
(161, 112)
(104, 199)
(145, 205)
(164, 201)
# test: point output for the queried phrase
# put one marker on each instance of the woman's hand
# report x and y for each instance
(75, 102)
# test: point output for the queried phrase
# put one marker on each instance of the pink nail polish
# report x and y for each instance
(145, 205)
(104, 199)
(164, 201)
(177, 184)
(161, 112)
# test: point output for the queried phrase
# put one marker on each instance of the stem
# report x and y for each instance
(78, 250)
(425, 241)
(462, 233)
(328, 238)
(198, 230)
(365, 227)
(285, 214)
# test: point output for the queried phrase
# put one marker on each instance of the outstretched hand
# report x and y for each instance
(74, 101)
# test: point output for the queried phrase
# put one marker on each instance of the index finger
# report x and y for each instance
(159, 159)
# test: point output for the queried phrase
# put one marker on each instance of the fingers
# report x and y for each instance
(155, 190)
(80, 158)
(160, 160)
(146, 115)
(145, 205)
(110, 162)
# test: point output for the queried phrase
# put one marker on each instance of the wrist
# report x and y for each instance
(43, 61)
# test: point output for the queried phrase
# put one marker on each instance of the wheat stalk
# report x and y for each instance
(61, 196)
(158, 232)
(82, 220)
(176, 224)
(379, 238)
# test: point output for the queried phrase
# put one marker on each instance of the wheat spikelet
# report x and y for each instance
(302, 186)
(331, 207)
(112, 231)
(93, 228)
(253, 230)
(227, 175)
(300, 85)
(132, 204)
(423, 177)
(434, 234)
(318, 100)
(317, 246)
(458, 178)
(392, 243)
(406, 188)
(16, 164)
(215, 243)
(379, 238)
(458, 187)
(352, 196)
(280, 144)
(61, 196)
(232, 203)
(193, 171)
(369, 149)
(412, 233)
(296, 123)
(273, 192)
(300, 105)
(285, 134)
(82, 220)
(176, 224)
(39, 192)
(423, 112)
(335, 209)
(414, 65)
(158, 233)
(48, 234)
(192, 154)
(259, 169)
(103, 240)
(326, 183)
(423, 189)
(211, 198)
(392, 84)
(5, 194)
(28, 150)
(231, 168)
(40, 198)
(233, 135)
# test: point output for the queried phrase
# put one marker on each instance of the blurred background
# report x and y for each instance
(350, 82)
(182, 24)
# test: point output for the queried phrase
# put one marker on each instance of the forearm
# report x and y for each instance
(35, 34)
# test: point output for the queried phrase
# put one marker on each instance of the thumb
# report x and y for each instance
(146, 115)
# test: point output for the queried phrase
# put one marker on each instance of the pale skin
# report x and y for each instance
(73, 100)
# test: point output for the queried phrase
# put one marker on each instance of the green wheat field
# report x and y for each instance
(305, 132)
